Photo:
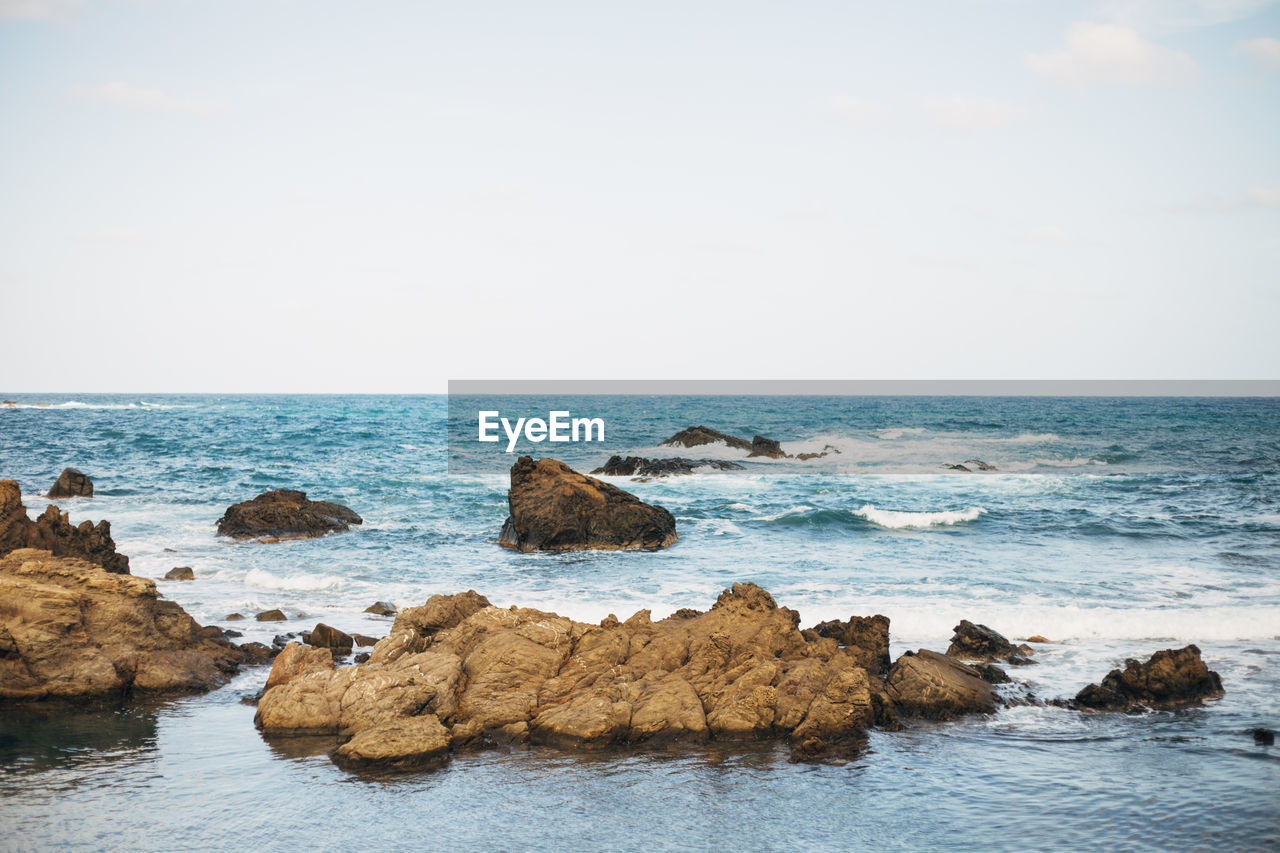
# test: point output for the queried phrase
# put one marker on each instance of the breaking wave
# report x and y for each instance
(896, 519)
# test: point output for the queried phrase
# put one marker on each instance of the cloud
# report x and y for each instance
(33, 9)
(1103, 53)
(966, 112)
(1046, 235)
(856, 110)
(132, 97)
(1265, 52)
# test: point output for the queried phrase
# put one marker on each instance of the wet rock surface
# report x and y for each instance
(554, 508)
(284, 514)
(54, 532)
(973, 642)
(939, 687)
(1171, 678)
(696, 436)
(639, 466)
(71, 484)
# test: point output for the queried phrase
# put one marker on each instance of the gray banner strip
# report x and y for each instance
(880, 387)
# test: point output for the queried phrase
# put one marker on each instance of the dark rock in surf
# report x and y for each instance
(71, 484)
(697, 436)
(285, 514)
(54, 532)
(275, 615)
(554, 508)
(638, 466)
(1264, 737)
(180, 573)
(327, 637)
(381, 608)
(979, 643)
(1171, 678)
(761, 446)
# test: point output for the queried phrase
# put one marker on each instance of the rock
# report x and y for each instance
(271, 616)
(684, 613)
(409, 740)
(958, 468)
(71, 484)
(285, 514)
(640, 467)
(1171, 678)
(326, 637)
(554, 508)
(741, 670)
(257, 653)
(381, 608)
(980, 465)
(867, 637)
(699, 435)
(70, 629)
(1264, 737)
(980, 643)
(180, 573)
(927, 684)
(761, 446)
(233, 617)
(53, 532)
(827, 449)
(1036, 638)
(361, 657)
(363, 641)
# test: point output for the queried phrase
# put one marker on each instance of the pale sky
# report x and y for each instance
(379, 197)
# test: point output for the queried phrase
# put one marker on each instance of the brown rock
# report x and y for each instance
(271, 616)
(980, 643)
(1172, 678)
(233, 617)
(761, 446)
(326, 637)
(53, 532)
(70, 629)
(285, 514)
(1036, 638)
(698, 435)
(554, 508)
(927, 684)
(638, 466)
(71, 484)
(362, 640)
(381, 608)
(180, 573)
(867, 638)
(411, 740)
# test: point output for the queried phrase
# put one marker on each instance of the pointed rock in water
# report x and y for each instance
(761, 446)
(554, 508)
(980, 643)
(71, 484)
(53, 532)
(285, 514)
(69, 629)
(381, 608)
(1171, 678)
(180, 573)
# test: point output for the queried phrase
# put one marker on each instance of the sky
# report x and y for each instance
(276, 196)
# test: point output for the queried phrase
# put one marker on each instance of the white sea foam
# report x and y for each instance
(795, 510)
(76, 404)
(293, 583)
(896, 519)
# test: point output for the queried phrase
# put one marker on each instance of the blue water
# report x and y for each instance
(1114, 527)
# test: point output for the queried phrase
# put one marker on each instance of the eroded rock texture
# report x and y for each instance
(285, 514)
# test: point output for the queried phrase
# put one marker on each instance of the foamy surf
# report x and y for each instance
(898, 519)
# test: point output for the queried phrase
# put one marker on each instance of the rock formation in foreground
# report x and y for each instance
(639, 466)
(554, 508)
(71, 484)
(69, 629)
(285, 514)
(53, 532)
(459, 673)
(1172, 678)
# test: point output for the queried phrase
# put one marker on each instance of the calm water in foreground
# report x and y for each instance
(1113, 527)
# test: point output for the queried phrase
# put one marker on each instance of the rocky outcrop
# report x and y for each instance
(71, 484)
(180, 573)
(927, 684)
(54, 532)
(69, 629)
(638, 466)
(554, 508)
(973, 642)
(1172, 678)
(761, 446)
(285, 514)
(866, 637)
(696, 436)
(486, 675)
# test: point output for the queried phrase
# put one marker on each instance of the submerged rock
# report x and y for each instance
(71, 484)
(53, 532)
(180, 573)
(1171, 678)
(554, 508)
(639, 466)
(285, 514)
(979, 643)
(70, 629)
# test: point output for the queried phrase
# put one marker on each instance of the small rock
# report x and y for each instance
(233, 617)
(980, 643)
(326, 637)
(1036, 638)
(227, 632)
(256, 653)
(381, 608)
(1264, 737)
(271, 616)
(71, 484)
(180, 573)
(361, 658)
(362, 640)
(761, 446)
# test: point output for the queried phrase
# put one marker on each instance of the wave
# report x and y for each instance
(76, 404)
(292, 583)
(897, 519)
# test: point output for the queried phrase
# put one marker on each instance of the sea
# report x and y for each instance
(1113, 527)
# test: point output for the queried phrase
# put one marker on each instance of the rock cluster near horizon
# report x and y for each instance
(54, 532)
(283, 514)
(69, 629)
(554, 508)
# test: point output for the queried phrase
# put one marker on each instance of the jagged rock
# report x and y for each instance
(696, 436)
(639, 466)
(71, 484)
(980, 643)
(285, 514)
(684, 613)
(927, 684)
(761, 446)
(867, 637)
(381, 608)
(826, 449)
(271, 616)
(53, 532)
(70, 629)
(554, 508)
(742, 670)
(1171, 678)
(180, 573)
(327, 637)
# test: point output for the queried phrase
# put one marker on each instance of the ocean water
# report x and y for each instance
(1114, 527)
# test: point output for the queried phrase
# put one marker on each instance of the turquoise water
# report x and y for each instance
(1115, 527)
